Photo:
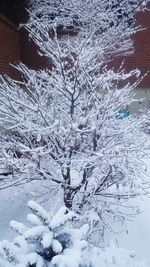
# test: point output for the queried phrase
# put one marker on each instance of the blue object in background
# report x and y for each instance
(123, 113)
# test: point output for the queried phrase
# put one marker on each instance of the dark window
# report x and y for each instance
(7, 9)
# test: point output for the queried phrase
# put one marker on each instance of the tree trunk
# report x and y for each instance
(68, 197)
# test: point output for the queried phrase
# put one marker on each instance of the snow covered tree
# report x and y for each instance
(85, 15)
(67, 124)
(51, 239)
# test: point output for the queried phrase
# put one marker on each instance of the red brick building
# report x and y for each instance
(9, 38)
(141, 57)
(14, 43)
(15, 46)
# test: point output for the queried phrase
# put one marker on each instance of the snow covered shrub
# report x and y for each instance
(49, 240)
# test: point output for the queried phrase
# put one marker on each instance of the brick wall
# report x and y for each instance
(141, 57)
(29, 53)
(9, 48)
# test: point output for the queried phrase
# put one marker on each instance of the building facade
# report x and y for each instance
(9, 38)
(14, 42)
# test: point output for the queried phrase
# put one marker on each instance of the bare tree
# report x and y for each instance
(66, 124)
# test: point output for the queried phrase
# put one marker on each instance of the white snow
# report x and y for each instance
(56, 246)
(61, 216)
(47, 239)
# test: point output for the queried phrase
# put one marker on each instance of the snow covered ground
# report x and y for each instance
(137, 236)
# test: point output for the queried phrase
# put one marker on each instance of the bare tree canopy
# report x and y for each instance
(66, 124)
